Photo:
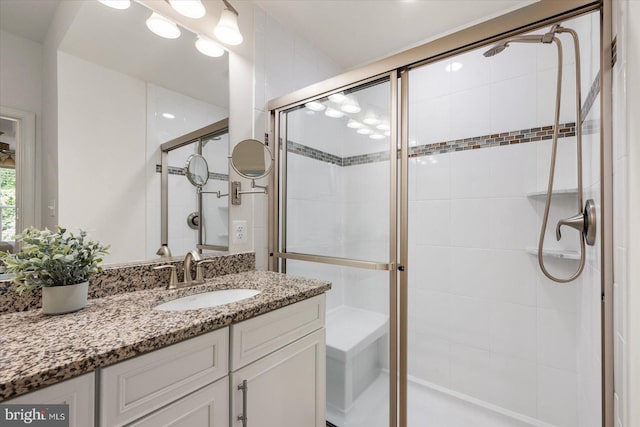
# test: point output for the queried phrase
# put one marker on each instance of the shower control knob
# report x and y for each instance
(584, 222)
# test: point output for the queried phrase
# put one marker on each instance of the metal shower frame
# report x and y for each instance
(395, 68)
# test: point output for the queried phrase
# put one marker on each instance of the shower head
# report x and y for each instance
(499, 47)
(495, 50)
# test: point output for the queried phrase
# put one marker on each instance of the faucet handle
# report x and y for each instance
(199, 273)
(173, 279)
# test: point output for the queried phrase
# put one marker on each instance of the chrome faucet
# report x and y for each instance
(189, 259)
(187, 279)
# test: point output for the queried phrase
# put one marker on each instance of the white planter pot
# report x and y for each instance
(64, 299)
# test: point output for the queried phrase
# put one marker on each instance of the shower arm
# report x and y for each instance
(574, 221)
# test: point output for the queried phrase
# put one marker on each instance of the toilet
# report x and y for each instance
(356, 345)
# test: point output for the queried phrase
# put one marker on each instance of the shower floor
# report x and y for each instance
(426, 408)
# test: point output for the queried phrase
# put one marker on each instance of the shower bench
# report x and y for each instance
(356, 350)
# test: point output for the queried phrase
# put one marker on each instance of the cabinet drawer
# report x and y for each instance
(207, 407)
(78, 393)
(136, 387)
(259, 336)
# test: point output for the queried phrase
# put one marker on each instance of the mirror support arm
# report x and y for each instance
(236, 191)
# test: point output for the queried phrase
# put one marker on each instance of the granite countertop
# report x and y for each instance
(38, 350)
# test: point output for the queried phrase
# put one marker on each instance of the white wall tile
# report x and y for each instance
(429, 358)
(429, 267)
(472, 219)
(471, 174)
(513, 331)
(470, 113)
(557, 403)
(434, 224)
(470, 321)
(513, 384)
(471, 371)
(512, 224)
(512, 104)
(557, 339)
(432, 179)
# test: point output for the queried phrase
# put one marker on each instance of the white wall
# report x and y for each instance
(626, 195)
(283, 62)
(101, 116)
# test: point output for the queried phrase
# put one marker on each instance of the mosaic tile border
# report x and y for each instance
(520, 136)
(180, 171)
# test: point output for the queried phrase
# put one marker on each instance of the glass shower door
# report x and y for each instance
(337, 163)
(491, 341)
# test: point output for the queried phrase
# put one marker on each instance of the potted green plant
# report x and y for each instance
(58, 262)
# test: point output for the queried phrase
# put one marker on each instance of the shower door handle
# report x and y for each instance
(584, 222)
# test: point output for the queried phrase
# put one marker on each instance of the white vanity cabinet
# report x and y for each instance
(278, 368)
(185, 382)
(78, 393)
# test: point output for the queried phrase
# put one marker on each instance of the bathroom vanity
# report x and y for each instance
(258, 361)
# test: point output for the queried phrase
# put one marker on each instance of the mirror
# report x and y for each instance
(197, 170)
(109, 93)
(251, 159)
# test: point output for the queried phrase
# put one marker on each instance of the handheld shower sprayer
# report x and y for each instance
(585, 220)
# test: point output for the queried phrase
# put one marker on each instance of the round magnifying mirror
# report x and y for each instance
(251, 159)
(197, 170)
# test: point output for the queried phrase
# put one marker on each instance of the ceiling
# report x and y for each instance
(356, 32)
(27, 18)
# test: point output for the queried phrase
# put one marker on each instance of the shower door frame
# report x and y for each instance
(532, 17)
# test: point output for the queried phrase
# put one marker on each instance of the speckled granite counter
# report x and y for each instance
(38, 350)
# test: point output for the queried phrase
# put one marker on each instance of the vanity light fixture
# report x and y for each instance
(227, 30)
(332, 112)
(117, 4)
(351, 106)
(208, 47)
(189, 8)
(314, 106)
(168, 116)
(163, 27)
(354, 124)
(364, 131)
(376, 136)
(338, 98)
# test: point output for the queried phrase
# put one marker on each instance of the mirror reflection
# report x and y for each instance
(113, 92)
(251, 159)
(197, 170)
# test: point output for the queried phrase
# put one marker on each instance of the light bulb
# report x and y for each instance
(168, 116)
(353, 124)
(117, 4)
(338, 98)
(208, 47)
(189, 8)
(371, 120)
(376, 136)
(454, 66)
(332, 112)
(351, 106)
(365, 131)
(227, 30)
(163, 27)
(314, 106)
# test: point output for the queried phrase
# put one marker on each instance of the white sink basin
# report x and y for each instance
(207, 299)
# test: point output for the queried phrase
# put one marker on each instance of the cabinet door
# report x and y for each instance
(207, 407)
(78, 393)
(284, 389)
